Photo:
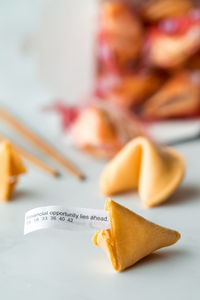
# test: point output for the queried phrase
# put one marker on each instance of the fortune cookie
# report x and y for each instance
(11, 168)
(131, 237)
(102, 130)
(154, 171)
(178, 97)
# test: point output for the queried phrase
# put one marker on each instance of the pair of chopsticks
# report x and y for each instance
(41, 145)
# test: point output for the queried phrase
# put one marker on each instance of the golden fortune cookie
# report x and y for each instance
(131, 237)
(156, 172)
(11, 167)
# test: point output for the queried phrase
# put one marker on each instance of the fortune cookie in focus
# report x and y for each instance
(131, 237)
(155, 171)
(11, 168)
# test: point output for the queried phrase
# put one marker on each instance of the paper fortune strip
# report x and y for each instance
(65, 218)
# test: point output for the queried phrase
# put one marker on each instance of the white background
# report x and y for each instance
(62, 264)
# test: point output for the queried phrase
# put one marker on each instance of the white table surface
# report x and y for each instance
(62, 264)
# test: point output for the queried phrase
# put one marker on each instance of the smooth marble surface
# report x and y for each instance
(62, 264)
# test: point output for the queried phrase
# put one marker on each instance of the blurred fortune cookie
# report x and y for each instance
(173, 41)
(155, 171)
(179, 96)
(11, 167)
(131, 237)
(156, 10)
(102, 130)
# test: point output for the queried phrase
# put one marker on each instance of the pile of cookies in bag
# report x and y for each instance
(149, 57)
(147, 69)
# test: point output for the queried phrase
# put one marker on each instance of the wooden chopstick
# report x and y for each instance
(39, 143)
(31, 158)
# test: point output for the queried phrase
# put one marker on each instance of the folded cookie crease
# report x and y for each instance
(155, 171)
(131, 237)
